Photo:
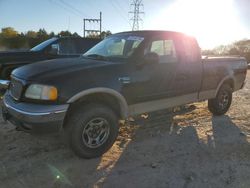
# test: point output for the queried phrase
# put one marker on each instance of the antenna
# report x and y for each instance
(137, 5)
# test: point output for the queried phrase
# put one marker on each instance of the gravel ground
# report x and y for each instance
(181, 148)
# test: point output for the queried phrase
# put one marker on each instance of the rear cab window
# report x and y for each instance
(191, 49)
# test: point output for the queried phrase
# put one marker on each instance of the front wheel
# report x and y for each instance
(222, 102)
(92, 130)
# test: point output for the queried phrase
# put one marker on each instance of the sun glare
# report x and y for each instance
(212, 22)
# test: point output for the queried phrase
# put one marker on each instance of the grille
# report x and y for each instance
(16, 88)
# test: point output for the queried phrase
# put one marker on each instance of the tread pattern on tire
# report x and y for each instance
(213, 105)
(73, 129)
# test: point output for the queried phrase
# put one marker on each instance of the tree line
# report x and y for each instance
(238, 48)
(12, 39)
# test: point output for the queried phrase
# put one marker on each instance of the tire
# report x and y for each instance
(91, 130)
(222, 102)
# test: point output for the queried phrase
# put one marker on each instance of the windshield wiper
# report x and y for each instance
(97, 56)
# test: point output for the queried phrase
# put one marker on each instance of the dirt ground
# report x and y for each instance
(181, 148)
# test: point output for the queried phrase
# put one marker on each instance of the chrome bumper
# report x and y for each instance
(34, 117)
(4, 84)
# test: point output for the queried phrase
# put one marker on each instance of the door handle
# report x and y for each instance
(183, 77)
(124, 80)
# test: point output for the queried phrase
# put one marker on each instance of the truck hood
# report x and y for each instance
(50, 68)
(16, 55)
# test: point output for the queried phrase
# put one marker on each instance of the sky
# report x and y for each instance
(212, 22)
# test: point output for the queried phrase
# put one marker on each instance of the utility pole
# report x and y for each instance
(92, 21)
(136, 19)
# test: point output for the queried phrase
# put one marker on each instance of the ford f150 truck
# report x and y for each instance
(57, 47)
(126, 74)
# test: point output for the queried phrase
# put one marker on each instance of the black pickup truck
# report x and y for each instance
(126, 74)
(62, 47)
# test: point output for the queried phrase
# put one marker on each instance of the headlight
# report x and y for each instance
(42, 92)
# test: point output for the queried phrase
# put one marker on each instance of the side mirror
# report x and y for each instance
(54, 49)
(151, 58)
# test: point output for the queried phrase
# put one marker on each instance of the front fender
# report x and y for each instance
(122, 101)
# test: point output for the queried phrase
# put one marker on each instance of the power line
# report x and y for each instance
(89, 4)
(118, 5)
(136, 4)
(119, 12)
(69, 8)
(66, 8)
(123, 10)
(125, 3)
(73, 8)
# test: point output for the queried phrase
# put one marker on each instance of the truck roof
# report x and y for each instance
(77, 38)
(153, 32)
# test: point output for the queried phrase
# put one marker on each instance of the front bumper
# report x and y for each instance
(33, 118)
(4, 84)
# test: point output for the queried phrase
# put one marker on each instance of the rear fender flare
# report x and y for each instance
(225, 79)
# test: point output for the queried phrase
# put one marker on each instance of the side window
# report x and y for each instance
(165, 49)
(158, 47)
(136, 44)
(67, 47)
(131, 46)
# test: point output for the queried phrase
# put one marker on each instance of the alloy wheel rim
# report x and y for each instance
(96, 132)
(223, 100)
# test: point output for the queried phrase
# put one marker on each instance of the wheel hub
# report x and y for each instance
(95, 132)
(224, 100)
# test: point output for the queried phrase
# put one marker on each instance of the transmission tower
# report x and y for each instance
(92, 31)
(136, 19)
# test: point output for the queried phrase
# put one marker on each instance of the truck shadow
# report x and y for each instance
(173, 154)
(159, 149)
(225, 132)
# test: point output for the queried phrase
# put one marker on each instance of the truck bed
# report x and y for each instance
(222, 58)
(220, 68)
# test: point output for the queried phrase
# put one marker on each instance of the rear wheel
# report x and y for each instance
(92, 130)
(222, 102)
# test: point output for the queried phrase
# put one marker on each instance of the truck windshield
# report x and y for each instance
(116, 46)
(43, 45)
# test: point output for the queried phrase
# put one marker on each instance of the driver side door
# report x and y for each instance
(152, 81)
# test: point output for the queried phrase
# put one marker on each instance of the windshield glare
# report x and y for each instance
(119, 46)
(43, 45)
